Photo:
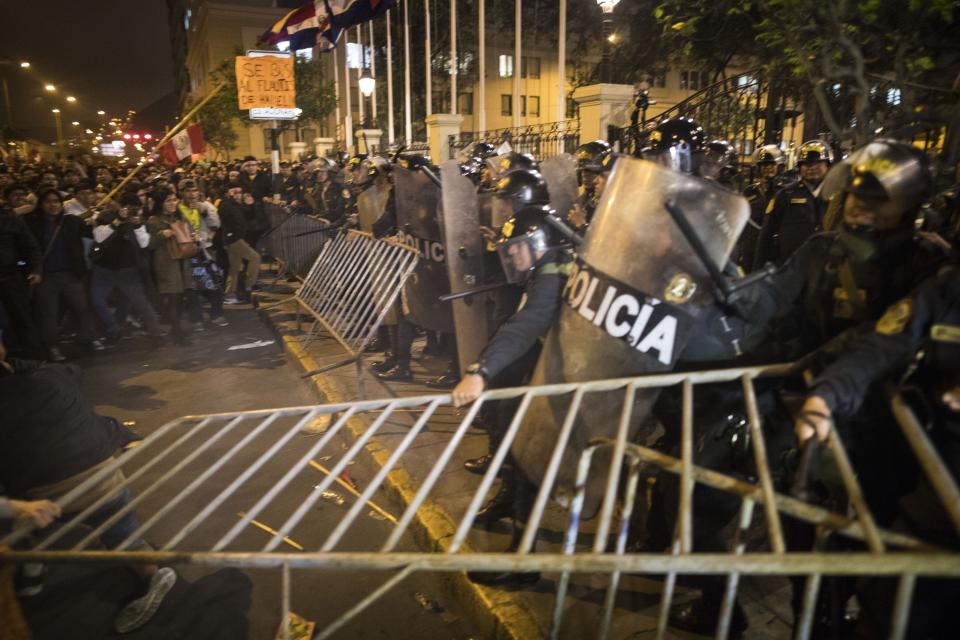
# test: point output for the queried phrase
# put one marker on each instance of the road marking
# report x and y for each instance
(316, 465)
(264, 527)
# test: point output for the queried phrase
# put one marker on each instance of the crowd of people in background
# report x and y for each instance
(85, 262)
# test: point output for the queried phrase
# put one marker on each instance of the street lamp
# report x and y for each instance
(101, 112)
(71, 99)
(56, 118)
(24, 65)
(607, 6)
(49, 87)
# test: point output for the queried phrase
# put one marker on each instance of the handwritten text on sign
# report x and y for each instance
(265, 82)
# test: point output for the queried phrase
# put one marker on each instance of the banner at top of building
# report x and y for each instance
(266, 81)
(320, 22)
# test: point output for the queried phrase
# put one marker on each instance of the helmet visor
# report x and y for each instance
(678, 157)
(519, 255)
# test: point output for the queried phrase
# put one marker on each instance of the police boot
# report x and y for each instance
(398, 373)
(448, 380)
(498, 507)
(508, 578)
(388, 363)
(702, 615)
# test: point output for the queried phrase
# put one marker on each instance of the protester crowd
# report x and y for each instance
(852, 262)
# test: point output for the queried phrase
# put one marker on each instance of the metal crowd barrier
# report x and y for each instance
(352, 285)
(189, 456)
(294, 241)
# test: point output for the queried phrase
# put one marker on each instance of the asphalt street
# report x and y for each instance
(148, 387)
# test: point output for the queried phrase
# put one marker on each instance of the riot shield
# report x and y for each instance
(371, 203)
(560, 174)
(628, 307)
(418, 201)
(464, 248)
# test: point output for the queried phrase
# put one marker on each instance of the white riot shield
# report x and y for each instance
(473, 316)
(418, 201)
(371, 204)
(628, 305)
(560, 174)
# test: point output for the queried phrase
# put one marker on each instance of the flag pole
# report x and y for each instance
(516, 63)
(390, 131)
(373, 74)
(166, 138)
(428, 50)
(408, 123)
(562, 66)
(348, 119)
(482, 48)
(363, 63)
(336, 92)
(453, 57)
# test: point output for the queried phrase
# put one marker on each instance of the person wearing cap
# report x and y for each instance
(233, 216)
(120, 236)
(796, 211)
(769, 161)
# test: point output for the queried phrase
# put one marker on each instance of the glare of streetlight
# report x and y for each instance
(75, 123)
(71, 99)
(55, 110)
(89, 132)
(367, 84)
(101, 113)
(24, 65)
(49, 87)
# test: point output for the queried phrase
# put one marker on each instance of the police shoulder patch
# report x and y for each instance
(945, 333)
(798, 201)
(770, 205)
(896, 318)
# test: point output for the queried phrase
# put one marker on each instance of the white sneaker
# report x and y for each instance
(138, 613)
(231, 299)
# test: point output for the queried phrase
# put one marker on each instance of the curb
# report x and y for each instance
(495, 612)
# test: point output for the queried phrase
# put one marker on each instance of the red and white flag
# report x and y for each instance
(188, 142)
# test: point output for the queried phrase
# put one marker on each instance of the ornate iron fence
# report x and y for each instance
(541, 140)
(742, 109)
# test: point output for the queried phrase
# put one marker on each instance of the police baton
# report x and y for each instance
(800, 488)
(471, 292)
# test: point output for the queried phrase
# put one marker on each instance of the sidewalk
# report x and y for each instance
(501, 613)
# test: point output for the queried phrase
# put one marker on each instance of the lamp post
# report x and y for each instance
(607, 6)
(8, 107)
(367, 87)
(56, 118)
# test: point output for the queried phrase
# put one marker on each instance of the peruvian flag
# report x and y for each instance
(187, 143)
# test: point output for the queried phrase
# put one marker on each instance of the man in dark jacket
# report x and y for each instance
(233, 227)
(120, 236)
(52, 441)
(19, 254)
(60, 237)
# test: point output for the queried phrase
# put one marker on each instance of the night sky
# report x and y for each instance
(110, 54)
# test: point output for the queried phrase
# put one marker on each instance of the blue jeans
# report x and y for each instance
(127, 280)
(122, 528)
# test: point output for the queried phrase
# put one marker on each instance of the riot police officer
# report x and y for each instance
(591, 159)
(328, 199)
(833, 283)
(926, 324)
(532, 255)
(720, 163)
(796, 212)
(769, 161)
(677, 143)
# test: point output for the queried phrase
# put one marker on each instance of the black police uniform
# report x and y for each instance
(793, 215)
(289, 189)
(928, 323)
(759, 194)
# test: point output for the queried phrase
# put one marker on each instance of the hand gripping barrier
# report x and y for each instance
(181, 472)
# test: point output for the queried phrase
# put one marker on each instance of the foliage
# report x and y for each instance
(315, 98)
(869, 65)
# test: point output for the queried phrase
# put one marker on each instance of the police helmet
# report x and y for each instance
(522, 188)
(769, 154)
(590, 156)
(677, 143)
(414, 162)
(721, 152)
(814, 151)
(482, 151)
(514, 161)
(883, 169)
(525, 238)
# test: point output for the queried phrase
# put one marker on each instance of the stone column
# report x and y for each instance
(440, 126)
(296, 149)
(323, 146)
(602, 105)
(368, 141)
